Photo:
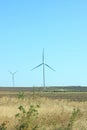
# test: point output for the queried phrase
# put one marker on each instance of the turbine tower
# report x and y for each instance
(13, 74)
(43, 64)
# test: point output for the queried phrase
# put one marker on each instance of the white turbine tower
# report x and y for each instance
(13, 80)
(43, 64)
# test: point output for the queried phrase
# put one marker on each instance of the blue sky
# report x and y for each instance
(58, 26)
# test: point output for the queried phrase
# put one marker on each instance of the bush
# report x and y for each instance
(27, 120)
(3, 126)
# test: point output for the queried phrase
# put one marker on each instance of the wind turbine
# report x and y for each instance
(13, 74)
(43, 64)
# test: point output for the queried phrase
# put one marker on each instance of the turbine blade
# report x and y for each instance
(10, 72)
(15, 72)
(49, 67)
(43, 56)
(36, 66)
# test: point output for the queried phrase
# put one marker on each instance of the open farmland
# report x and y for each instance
(55, 110)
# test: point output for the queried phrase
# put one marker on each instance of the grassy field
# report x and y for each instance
(55, 112)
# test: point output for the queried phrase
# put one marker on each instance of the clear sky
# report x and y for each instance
(58, 26)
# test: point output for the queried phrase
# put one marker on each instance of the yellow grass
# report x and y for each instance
(52, 113)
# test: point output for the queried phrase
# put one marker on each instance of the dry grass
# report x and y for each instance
(52, 113)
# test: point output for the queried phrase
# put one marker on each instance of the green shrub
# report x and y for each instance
(73, 117)
(27, 120)
(3, 126)
(21, 95)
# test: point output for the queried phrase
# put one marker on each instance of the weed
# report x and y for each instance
(21, 95)
(27, 119)
(74, 115)
(3, 126)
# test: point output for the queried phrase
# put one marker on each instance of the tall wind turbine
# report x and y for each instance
(13, 74)
(43, 65)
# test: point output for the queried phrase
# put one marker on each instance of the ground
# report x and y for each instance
(55, 110)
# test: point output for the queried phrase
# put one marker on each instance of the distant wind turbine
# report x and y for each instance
(13, 74)
(43, 65)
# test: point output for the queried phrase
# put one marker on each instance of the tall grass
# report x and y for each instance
(52, 114)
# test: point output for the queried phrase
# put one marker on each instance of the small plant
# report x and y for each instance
(21, 95)
(74, 115)
(3, 126)
(27, 119)
(33, 93)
